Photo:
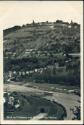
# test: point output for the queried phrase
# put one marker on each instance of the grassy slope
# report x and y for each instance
(37, 37)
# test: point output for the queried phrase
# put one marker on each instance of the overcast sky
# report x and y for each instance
(23, 12)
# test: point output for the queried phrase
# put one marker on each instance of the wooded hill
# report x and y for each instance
(43, 44)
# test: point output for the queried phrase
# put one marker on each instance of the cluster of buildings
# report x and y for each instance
(51, 24)
(23, 73)
(47, 69)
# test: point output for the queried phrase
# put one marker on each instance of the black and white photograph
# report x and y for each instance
(42, 61)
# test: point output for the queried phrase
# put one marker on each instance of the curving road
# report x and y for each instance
(67, 100)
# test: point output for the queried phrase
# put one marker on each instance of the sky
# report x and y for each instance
(22, 12)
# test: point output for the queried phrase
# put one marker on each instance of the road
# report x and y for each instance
(67, 100)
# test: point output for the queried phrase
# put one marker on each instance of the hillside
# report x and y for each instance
(44, 45)
(46, 36)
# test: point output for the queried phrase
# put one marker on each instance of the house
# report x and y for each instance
(10, 74)
(52, 26)
(4, 99)
(27, 72)
(23, 73)
(17, 105)
(56, 65)
(31, 71)
(69, 26)
(8, 80)
(14, 72)
(11, 100)
(74, 54)
(36, 70)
